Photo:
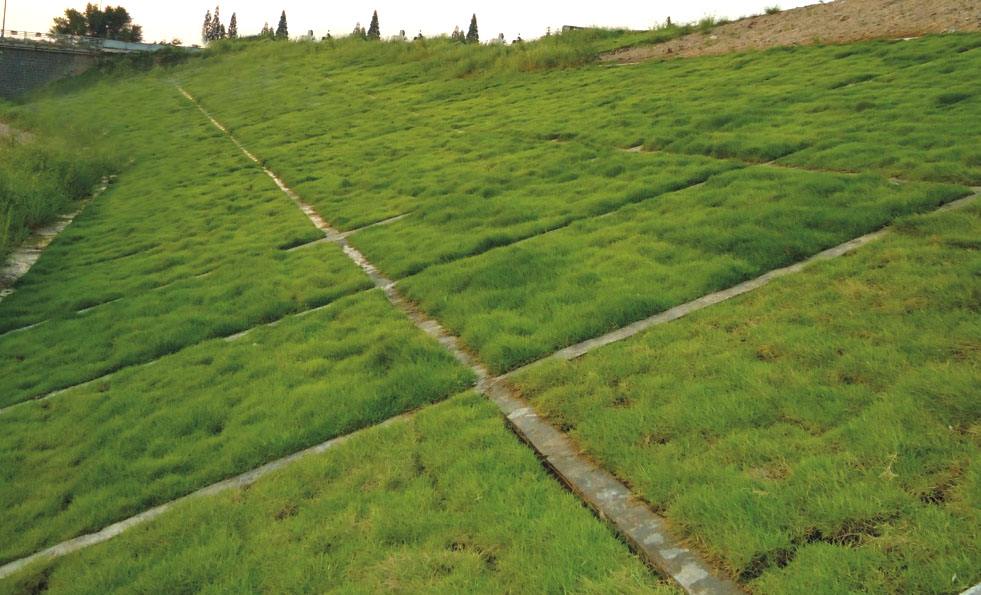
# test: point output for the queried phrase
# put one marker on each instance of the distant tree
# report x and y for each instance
(281, 30)
(217, 29)
(359, 31)
(111, 23)
(206, 28)
(73, 23)
(233, 27)
(472, 35)
(420, 36)
(457, 35)
(374, 33)
(266, 30)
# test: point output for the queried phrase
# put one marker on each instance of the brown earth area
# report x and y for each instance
(841, 21)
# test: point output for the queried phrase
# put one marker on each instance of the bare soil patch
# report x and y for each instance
(841, 21)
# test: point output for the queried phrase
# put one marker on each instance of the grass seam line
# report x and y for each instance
(645, 531)
(345, 234)
(583, 347)
(239, 481)
(21, 259)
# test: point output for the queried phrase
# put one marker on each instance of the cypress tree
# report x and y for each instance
(373, 31)
(472, 36)
(233, 27)
(281, 31)
(206, 28)
(457, 35)
(217, 29)
(358, 31)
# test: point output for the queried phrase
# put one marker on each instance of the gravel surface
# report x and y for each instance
(841, 21)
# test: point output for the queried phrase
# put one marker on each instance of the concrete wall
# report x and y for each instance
(27, 67)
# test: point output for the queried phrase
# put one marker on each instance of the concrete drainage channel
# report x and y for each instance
(644, 531)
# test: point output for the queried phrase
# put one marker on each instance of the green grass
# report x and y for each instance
(526, 193)
(108, 450)
(521, 302)
(140, 328)
(41, 179)
(787, 462)
(188, 202)
(754, 106)
(447, 501)
(820, 434)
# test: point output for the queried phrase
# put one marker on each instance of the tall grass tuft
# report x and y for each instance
(40, 179)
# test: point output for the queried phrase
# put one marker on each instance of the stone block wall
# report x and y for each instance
(25, 67)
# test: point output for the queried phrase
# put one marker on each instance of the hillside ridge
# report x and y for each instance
(841, 21)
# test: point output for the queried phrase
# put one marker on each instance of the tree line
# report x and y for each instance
(213, 29)
(110, 23)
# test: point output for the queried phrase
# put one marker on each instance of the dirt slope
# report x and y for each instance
(835, 22)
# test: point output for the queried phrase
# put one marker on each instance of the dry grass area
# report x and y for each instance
(842, 21)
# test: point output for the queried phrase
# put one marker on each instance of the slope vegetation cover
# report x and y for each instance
(523, 225)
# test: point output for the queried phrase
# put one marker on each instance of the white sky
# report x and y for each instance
(166, 19)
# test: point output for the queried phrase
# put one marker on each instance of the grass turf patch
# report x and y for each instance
(242, 293)
(448, 500)
(818, 434)
(520, 302)
(79, 461)
(188, 202)
(525, 194)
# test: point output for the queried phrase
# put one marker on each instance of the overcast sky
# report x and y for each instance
(166, 19)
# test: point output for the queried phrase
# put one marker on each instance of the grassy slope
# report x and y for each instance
(819, 434)
(187, 200)
(144, 240)
(111, 449)
(448, 501)
(463, 195)
(42, 179)
(370, 131)
(521, 302)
